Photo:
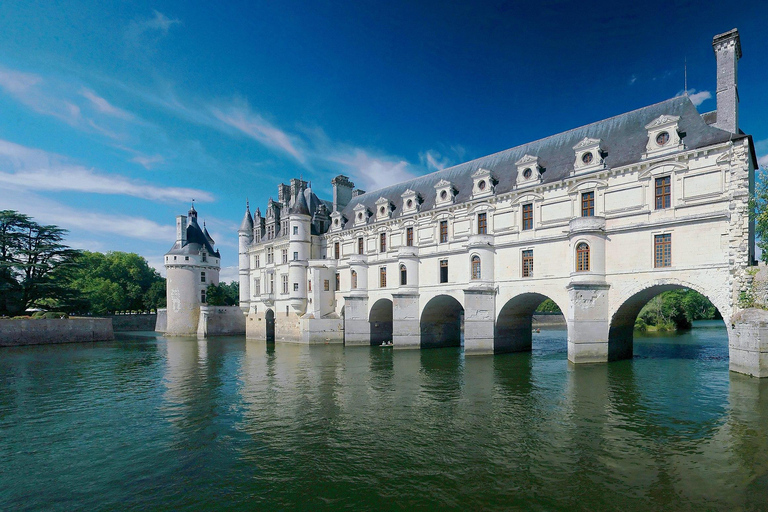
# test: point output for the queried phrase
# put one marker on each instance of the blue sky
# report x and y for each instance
(114, 115)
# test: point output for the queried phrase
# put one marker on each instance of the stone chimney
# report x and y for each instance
(181, 229)
(342, 192)
(727, 48)
(284, 194)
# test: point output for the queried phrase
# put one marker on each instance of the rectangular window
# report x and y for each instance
(309, 285)
(186, 258)
(295, 287)
(443, 231)
(443, 271)
(528, 263)
(383, 242)
(270, 255)
(285, 255)
(295, 230)
(662, 193)
(482, 223)
(662, 249)
(353, 279)
(256, 262)
(202, 296)
(382, 277)
(257, 286)
(409, 236)
(205, 257)
(336, 250)
(326, 285)
(202, 277)
(295, 256)
(360, 245)
(284, 278)
(588, 204)
(338, 281)
(271, 284)
(528, 216)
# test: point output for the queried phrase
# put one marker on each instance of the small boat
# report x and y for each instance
(537, 330)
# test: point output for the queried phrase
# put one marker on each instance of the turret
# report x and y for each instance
(727, 48)
(245, 238)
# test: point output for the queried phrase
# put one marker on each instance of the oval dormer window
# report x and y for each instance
(336, 222)
(410, 203)
(662, 138)
(443, 194)
(381, 210)
(360, 216)
(587, 157)
(481, 185)
(527, 173)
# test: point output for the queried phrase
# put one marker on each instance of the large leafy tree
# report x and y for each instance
(223, 294)
(32, 259)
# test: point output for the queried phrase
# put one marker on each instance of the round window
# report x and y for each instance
(381, 210)
(587, 158)
(443, 194)
(481, 185)
(360, 216)
(410, 203)
(527, 173)
(662, 138)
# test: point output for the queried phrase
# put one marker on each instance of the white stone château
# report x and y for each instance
(599, 219)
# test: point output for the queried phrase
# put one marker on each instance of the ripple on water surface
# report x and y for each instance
(224, 423)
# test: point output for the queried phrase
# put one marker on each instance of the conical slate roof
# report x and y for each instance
(247, 225)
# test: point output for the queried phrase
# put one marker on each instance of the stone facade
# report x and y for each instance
(599, 219)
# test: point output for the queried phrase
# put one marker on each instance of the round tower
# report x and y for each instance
(191, 265)
(245, 238)
(299, 236)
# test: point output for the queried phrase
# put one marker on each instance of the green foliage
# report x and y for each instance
(759, 212)
(675, 309)
(223, 294)
(32, 262)
(746, 299)
(548, 306)
(115, 281)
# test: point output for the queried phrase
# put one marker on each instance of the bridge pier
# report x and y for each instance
(406, 330)
(748, 343)
(357, 330)
(479, 316)
(588, 322)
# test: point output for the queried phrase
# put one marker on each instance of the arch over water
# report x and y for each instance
(380, 320)
(269, 318)
(622, 326)
(442, 322)
(514, 325)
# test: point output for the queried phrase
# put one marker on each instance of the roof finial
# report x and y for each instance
(686, 75)
(247, 204)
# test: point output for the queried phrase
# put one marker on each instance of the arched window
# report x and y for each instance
(403, 276)
(354, 280)
(475, 267)
(582, 257)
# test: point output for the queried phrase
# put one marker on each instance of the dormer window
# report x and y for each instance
(663, 136)
(528, 171)
(337, 221)
(589, 156)
(361, 214)
(411, 202)
(383, 209)
(483, 183)
(445, 193)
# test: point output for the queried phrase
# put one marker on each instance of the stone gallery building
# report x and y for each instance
(600, 219)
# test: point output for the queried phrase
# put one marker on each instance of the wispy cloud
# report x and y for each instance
(34, 169)
(147, 32)
(763, 161)
(434, 161)
(632, 79)
(697, 98)
(148, 161)
(371, 171)
(104, 106)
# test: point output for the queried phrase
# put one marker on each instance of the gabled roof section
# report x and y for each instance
(623, 138)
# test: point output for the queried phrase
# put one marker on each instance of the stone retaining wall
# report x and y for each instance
(134, 322)
(44, 331)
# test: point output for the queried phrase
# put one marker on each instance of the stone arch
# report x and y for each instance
(622, 319)
(380, 320)
(514, 325)
(269, 319)
(442, 322)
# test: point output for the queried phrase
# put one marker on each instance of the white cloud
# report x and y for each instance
(28, 89)
(763, 161)
(697, 98)
(434, 161)
(104, 106)
(146, 32)
(371, 172)
(632, 79)
(148, 161)
(241, 117)
(228, 274)
(34, 169)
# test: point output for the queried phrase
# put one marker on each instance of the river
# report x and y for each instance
(227, 424)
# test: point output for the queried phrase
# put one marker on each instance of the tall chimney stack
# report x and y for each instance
(181, 229)
(727, 48)
(342, 192)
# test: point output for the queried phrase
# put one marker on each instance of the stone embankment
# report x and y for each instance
(42, 331)
(548, 320)
(145, 322)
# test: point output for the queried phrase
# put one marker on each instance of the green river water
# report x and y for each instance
(145, 423)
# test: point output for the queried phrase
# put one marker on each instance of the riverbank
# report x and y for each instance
(43, 331)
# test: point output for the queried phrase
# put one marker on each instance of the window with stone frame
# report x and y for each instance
(284, 279)
(257, 286)
(270, 255)
(476, 267)
(353, 279)
(662, 192)
(527, 216)
(409, 237)
(326, 285)
(662, 250)
(295, 256)
(285, 255)
(443, 271)
(295, 230)
(482, 223)
(202, 296)
(295, 287)
(336, 250)
(338, 282)
(360, 245)
(382, 277)
(382, 242)
(588, 204)
(271, 283)
(582, 257)
(256, 262)
(403, 275)
(443, 231)
(528, 263)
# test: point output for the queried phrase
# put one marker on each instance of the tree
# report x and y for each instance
(759, 211)
(32, 258)
(223, 294)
